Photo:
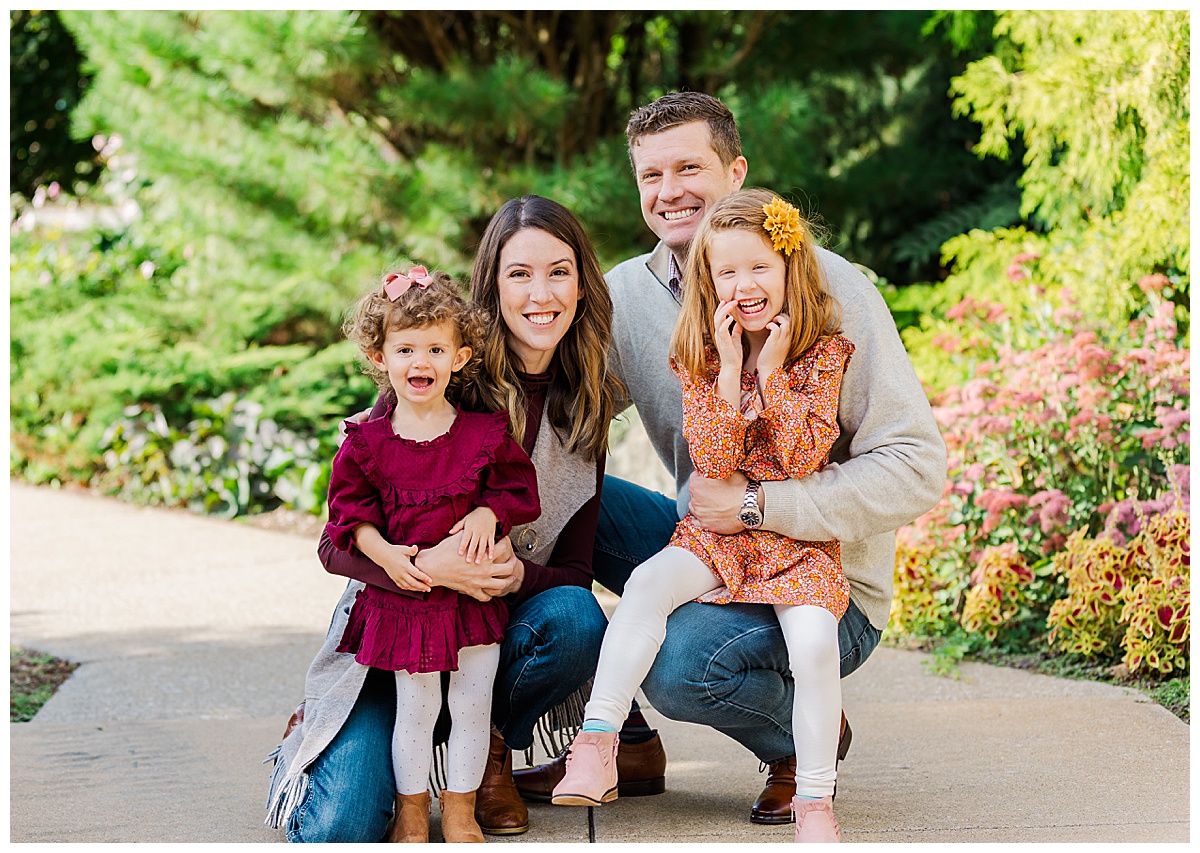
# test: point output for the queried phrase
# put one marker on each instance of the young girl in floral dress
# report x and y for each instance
(403, 482)
(758, 350)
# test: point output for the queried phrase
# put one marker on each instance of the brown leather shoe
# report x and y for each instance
(774, 804)
(641, 772)
(498, 807)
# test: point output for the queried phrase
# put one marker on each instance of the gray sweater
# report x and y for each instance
(887, 468)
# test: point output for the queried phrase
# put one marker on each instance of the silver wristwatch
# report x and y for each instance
(750, 515)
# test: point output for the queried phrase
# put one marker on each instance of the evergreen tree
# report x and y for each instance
(45, 84)
(281, 160)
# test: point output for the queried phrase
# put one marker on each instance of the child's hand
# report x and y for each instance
(727, 336)
(479, 534)
(397, 562)
(775, 350)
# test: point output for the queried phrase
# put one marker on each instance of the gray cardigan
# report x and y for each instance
(887, 468)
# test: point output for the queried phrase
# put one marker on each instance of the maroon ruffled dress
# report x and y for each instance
(413, 492)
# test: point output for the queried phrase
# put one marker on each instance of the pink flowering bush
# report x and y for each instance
(1078, 431)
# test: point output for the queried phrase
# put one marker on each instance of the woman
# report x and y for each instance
(545, 362)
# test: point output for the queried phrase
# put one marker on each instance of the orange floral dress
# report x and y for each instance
(789, 438)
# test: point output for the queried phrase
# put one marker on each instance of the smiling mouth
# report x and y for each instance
(752, 306)
(542, 319)
(420, 382)
(676, 215)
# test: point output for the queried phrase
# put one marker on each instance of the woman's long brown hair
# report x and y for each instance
(582, 399)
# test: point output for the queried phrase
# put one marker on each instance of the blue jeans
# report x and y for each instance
(720, 666)
(550, 648)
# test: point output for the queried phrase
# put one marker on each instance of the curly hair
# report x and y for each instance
(582, 400)
(814, 312)
(676, 108)
(375, 315)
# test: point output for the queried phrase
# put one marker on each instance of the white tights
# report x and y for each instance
(418, 702)
(635, 633)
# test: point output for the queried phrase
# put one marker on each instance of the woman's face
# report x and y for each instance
(539, 295)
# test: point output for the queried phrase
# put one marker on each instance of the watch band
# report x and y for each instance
(750, 514)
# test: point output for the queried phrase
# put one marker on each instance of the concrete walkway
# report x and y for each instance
(194, 635)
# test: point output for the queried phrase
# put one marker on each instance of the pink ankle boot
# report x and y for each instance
(591, 777)
(815, 821)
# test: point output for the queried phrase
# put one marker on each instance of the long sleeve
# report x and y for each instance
(889, 465)
(510, 486)
(357, 566)
(801, 407)
(714, 429)
(353, 498)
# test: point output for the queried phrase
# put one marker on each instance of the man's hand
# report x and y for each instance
(483, 581)
(715, 504)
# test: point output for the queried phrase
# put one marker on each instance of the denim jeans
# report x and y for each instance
(549, 649)
(723, 666)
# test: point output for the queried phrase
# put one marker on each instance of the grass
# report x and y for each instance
(33, 677)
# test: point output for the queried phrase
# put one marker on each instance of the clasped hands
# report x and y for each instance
(469, 560)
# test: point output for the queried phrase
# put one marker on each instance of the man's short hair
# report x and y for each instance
(676, 108)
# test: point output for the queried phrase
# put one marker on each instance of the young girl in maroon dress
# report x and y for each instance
(758, 352)
(405, 481)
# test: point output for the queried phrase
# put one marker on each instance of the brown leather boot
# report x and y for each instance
(499, 809)
(641, 772)
(774, 804)
(411, 822)
(458, 818)
(296, 719)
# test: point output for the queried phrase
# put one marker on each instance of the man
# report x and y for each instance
(726, 666)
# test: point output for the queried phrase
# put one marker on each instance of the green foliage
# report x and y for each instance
(229, 460)
(45, 84)
(32, 679)
(1134, 596)
(364, 130)
(1109, 178)
(123, 315)
(1176, 696)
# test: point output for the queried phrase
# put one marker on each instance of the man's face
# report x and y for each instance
(679, 177)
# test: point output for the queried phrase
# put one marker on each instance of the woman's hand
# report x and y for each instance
(775, 351)
(483, 581)
(356, 418)
(479, 533)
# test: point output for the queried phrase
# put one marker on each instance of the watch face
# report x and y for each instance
(750, 517)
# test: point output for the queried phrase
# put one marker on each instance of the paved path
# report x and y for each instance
(194, 635)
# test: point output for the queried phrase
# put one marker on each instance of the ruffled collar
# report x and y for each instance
(382, 427)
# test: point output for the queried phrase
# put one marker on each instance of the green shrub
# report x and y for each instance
(229, 460)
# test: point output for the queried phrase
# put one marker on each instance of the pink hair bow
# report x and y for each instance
(397, 284)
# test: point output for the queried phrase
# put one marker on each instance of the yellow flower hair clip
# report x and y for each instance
(783, 224)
